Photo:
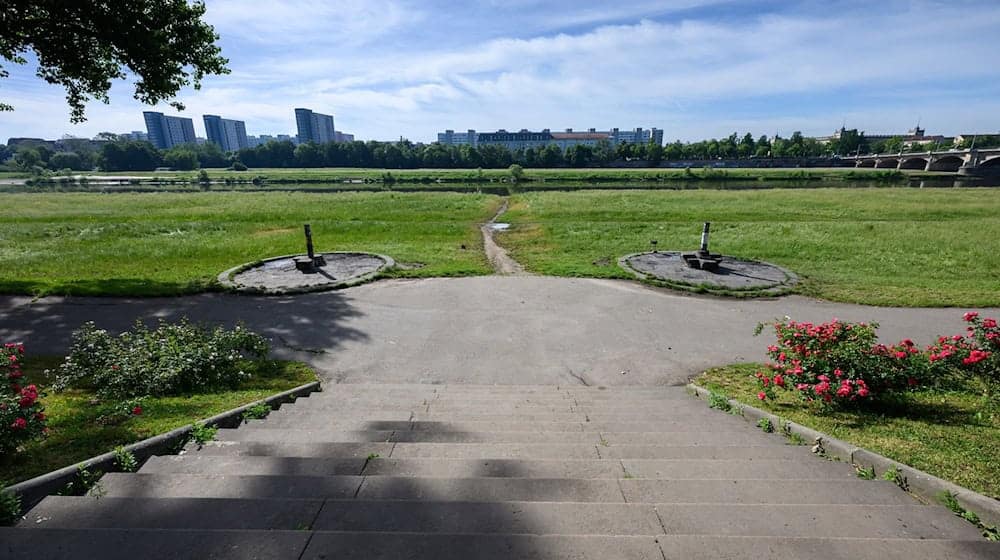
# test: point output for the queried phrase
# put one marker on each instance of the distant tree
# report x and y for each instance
(181, 157)
(127, 155)
(516, 172)
(27, 157)
(654, 154)
(308, 155)
(892, 145)
(551, 156)
(84, 46)
(5, 153)
(107, 136)
(67, 160)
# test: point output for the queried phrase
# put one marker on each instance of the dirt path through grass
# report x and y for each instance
(502, 262)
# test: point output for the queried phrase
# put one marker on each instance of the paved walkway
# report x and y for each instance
(486, 330)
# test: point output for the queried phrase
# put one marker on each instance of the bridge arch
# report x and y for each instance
(991, 163)
(947, 163)
(889, 163)
(914, 163)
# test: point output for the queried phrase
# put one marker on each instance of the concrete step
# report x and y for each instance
(199, 463)
(528, 518)
(394, 546)
(688, 547)
(335, 450)
(504, 450)
(504, 489)
(787, 491)
(325, 421)
(171, 513)
(195, 463)
(701, 416)
(150, 544)
(321, 466)
(291, 435)
(858, 521)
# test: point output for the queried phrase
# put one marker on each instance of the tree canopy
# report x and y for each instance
(84, 46)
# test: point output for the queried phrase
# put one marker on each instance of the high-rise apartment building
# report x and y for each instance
(229, 134)
(314, 127)
(166, 132)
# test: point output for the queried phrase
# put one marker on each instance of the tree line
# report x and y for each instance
(129, 155)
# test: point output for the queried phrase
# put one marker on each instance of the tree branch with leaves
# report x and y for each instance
(84, 46)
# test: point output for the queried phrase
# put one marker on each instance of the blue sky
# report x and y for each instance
(695, 68)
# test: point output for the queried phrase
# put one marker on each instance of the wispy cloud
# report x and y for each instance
(695, 68)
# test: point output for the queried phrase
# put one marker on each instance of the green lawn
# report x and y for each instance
(885, 246)
(946, 433)
(172, 243)
(75, 433)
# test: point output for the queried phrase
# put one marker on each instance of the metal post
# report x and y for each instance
(309, 242)
(704, 238)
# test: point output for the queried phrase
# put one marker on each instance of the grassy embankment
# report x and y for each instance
(76, 432)
(168, 243)
(946, 433)
(333, 175)
(907, 247)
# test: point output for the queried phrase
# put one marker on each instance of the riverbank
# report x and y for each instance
(478, 176)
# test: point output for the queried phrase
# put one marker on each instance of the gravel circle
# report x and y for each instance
(733, 274)
(278, 275)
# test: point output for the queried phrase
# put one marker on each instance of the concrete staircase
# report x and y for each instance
(494, 472)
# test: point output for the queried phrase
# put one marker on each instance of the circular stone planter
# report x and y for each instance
(278, 275)
(734, 277)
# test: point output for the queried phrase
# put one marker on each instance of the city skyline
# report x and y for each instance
(696, 68)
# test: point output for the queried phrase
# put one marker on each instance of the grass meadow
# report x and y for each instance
(885, 246)
(881, 246)
(173, 243)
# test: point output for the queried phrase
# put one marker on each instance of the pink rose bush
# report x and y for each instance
(839, 363)
(22, 417)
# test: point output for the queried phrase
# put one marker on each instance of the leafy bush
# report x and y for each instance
(174, 358)
(837, 362)
(22, 417)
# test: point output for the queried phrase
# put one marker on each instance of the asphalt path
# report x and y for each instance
(483, 330)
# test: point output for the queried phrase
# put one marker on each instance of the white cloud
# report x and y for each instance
(692, 77)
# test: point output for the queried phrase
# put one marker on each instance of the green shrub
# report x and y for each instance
(22, 417)
(172, 359)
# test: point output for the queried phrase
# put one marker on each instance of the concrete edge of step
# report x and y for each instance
(924, 486)
(33, 490)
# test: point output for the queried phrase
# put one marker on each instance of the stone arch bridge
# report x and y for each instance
(966, 162)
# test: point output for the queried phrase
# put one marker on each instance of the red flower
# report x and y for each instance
(137, 411)
(779, 381)
(970, 315)
(19, 424)
(990, 323)
(40, 416)
(900, 355)
(762, 395)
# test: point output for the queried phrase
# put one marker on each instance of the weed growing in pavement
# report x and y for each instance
(256, 412)
(126, 460)
(865, 474)
(950, 501)
(766, 425)
(202, 434)
(894, 474)
(86, 483)
(718, 401)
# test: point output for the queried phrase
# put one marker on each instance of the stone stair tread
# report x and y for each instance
(826, 520)
(292, 435)
(394, 546)
(698, 547)
(541, 518)
(325, 421)
(150, 544)
(743, 491)
(348, 487)
(69, 512)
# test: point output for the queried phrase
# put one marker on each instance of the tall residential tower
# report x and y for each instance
(314, 127)
(229, 134)
(166, 132)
